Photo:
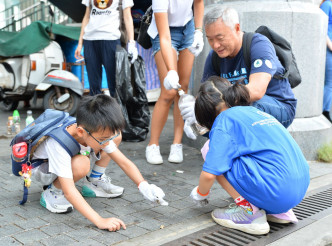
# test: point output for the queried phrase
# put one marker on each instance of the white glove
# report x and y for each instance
(152, 193)
(189, 131)
(199, 199)
(187, 109)
(171, 80)
(132, 51)
(198, 44)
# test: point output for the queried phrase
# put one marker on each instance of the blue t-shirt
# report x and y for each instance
(259, 158)
(263, 59)
(327, 8)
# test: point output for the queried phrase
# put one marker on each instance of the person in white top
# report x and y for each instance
(97, 130)
(100, 34)
(177, 37)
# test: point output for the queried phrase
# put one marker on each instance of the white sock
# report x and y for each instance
(97, 171)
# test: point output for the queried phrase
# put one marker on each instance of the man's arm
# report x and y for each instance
(128, 20)
(257, 85)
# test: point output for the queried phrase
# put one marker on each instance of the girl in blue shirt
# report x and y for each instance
(252, 156)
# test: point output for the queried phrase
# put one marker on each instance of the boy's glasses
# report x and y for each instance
(102, 142)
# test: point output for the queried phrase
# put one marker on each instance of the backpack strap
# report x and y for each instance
(65, 139)
(216, 62)
(246, 49)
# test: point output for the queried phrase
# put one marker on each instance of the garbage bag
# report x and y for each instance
(130, 94)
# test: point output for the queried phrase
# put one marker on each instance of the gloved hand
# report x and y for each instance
(199, 199)
(171, 80)
(152, 193)
(189, 131)
(187, 109)
(198, 44)
(132, 51)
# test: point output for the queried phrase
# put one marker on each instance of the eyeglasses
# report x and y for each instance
(102, 142)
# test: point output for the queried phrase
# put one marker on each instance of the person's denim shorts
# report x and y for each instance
(182, 37)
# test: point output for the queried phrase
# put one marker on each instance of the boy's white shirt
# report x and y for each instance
(104, 24)
(59, 161)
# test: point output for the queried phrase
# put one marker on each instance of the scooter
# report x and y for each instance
(39, 75)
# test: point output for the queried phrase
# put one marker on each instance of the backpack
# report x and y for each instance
(51, 123)
(283, 50)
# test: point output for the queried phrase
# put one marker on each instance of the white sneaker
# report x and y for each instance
(152, 154)
(55, 201)
(176, 155)
(100, 187)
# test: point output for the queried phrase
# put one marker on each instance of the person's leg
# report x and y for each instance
(160, 112)
(93, 65)
(108, 60)
(237, 217)
(327, 99)
(275, 108)
(53, 198)
(98, 184)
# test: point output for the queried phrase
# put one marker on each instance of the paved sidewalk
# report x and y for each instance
(32, 224)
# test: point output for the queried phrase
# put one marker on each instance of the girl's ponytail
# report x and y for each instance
(236, 95)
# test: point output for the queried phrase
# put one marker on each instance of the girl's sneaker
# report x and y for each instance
(100, 187)
(176, 155)
(284, 218)
(152, 154)
(55, 201)
(236, 217)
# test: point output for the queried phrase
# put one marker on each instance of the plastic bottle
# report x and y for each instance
(10, 125)
(29, 118)
(17, 121)
(194, 129)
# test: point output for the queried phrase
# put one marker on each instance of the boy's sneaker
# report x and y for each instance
(55, 201)
(152, 154)
(284, 218)
(237, 218)
(100, 187)
(176, 155)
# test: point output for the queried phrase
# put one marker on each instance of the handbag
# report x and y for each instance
(143, 37)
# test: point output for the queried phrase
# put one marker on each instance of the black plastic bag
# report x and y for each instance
(130, 94)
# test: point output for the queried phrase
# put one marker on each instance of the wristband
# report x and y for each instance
(198, 28)
(201, 193)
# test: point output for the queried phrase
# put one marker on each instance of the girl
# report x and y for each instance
(100, 34)
(252, 156)
(176, 38)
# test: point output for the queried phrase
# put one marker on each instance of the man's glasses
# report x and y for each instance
(102, 142)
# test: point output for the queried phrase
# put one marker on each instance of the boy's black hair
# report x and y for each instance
(100, 112)
(214, 91)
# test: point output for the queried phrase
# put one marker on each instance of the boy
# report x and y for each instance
(97, 130)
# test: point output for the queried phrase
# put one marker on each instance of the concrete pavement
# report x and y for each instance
(32, 224)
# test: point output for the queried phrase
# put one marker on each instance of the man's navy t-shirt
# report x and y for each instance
(263, 59)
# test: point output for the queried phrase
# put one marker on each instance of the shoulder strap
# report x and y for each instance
(65, 139)
(216, 62)
(246, 49)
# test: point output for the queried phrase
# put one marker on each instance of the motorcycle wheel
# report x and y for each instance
(70, 105)
(8, 105)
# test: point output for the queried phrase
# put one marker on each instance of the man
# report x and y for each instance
(271, 95)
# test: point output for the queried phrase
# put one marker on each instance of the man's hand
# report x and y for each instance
(111, 224)
(198, 44)
(200, 199)
(171, 80)
(132, 51)
(152, 193)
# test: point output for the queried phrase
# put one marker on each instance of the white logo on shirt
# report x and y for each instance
(258, 63)
(268, 63)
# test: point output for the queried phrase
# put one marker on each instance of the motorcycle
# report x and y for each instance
(39, 75)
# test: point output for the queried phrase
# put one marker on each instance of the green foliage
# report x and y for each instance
(324, 153)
